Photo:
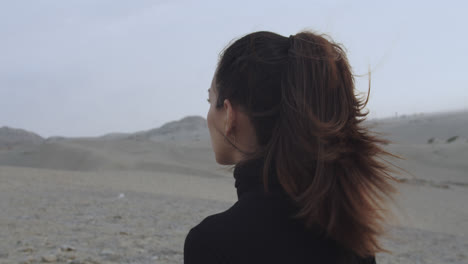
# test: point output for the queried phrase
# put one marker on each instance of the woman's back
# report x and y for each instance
(259, 228)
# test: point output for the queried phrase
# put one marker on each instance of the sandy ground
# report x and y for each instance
(90, 217)
(141, 217)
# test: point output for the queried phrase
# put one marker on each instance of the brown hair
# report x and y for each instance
(300, 97)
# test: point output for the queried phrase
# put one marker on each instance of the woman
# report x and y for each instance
(309, 177)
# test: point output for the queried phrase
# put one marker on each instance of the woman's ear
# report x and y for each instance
(230, 118)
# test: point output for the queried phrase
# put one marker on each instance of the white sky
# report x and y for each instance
(89, 67)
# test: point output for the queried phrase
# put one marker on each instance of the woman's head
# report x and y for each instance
(230, 129)
(244, 85)
(291, 100)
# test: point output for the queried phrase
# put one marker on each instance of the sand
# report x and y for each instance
(123, 199)
(101, 217)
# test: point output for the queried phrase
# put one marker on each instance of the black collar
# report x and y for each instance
(248, 178)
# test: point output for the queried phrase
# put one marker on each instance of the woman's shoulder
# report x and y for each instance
(199, 247)
(255, 225)
(209, 241)
(250, 217)
(216, 224)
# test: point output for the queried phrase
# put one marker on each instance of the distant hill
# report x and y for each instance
(180, 146)
(414, 129)
(183, 146)
(185, 130)
(10, 137)
(114, 136)
(421, 128)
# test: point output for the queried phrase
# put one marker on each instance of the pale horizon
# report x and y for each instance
(397, 115)
(86, 68)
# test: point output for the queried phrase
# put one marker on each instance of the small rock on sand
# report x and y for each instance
(49, 258)
(26, 250)
(67, 248)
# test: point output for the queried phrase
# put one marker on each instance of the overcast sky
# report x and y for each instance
(89, 67)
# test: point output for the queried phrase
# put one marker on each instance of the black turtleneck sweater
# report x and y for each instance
(258, 229)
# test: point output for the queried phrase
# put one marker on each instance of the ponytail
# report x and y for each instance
(299, 94)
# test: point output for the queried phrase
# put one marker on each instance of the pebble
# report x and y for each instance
(67, 248)
(117, 217)
(49, 258)
(28, 250)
